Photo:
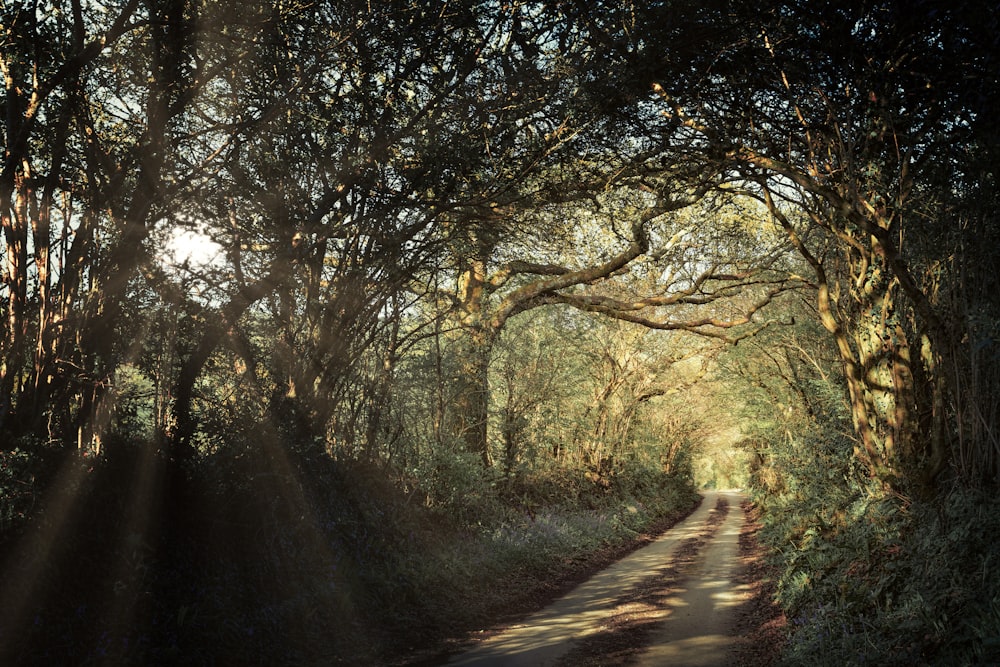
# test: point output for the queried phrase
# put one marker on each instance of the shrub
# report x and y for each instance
(17, 488)
(870, 577)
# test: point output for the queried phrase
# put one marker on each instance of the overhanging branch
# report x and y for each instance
(709, 327)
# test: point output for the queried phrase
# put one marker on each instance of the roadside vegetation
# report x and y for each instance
(303, 559)
(865, 573)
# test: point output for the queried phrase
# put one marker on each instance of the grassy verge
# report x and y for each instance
(897, 583)
(871, 577)
(302, 560)
(517, 568)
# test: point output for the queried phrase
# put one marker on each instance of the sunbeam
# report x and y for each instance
(348, 332)
(28, 572)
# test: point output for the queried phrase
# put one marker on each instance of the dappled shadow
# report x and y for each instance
(673, 608)
(612, 612)
(759, 621)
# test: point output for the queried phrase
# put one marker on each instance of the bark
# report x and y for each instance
(481, 324)
(472, 396)
(471, 412)
(886, 390)
(62, 350)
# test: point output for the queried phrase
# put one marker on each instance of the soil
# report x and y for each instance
(761, 625)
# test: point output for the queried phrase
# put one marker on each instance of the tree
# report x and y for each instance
(668, 271)
(839, 119)
(93, 104)
(393, 146)
(538, 376)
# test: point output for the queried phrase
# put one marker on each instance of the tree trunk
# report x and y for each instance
(472, 394)
(183, 419)
(472, 390)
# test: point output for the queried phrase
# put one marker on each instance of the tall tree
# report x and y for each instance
(839, 118)
(92, 99)
(399, 131)
(640, 253)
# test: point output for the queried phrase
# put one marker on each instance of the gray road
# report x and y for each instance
(693, 633)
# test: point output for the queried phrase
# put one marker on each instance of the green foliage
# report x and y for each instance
(455, 484)
(866, 575)
(895, 584)
(721, 469)
(478, 572)
(17, 488)
(355, 164)
(250, 554)
(134, 404)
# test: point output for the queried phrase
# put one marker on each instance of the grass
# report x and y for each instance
(280, 560)
(871, 577)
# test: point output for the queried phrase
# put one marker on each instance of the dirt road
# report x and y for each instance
(669, 603)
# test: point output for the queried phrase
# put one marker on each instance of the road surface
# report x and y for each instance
(681, 586)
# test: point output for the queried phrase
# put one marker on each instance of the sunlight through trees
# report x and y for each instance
(522, 272)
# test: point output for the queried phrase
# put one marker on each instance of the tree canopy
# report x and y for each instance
(354, 162)
(528, 250)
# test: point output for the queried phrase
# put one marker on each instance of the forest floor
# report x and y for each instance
(697, 594)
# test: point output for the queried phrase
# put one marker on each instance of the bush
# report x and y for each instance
(455, 484)
(870, 577)
(17, 488)
(286, 555)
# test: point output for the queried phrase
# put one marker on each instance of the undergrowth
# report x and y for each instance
(875, 578)
(268, 556)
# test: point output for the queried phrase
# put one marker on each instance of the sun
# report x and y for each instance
(192, 248)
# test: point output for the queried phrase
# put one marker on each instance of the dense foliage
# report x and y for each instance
(340, 314)
(865, 574)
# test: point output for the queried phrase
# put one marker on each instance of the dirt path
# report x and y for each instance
(668, 603)
(698, 629)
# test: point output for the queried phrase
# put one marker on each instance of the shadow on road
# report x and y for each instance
(673, 591)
